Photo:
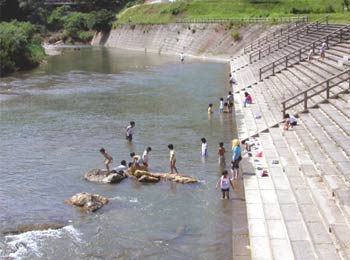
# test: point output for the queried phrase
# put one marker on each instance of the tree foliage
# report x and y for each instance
(19, 48)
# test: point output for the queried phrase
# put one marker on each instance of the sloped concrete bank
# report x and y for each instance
(211, 41)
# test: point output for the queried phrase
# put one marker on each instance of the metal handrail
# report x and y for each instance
(247, 20)
(305, 96)
(276, 34)
(286, 39)
(297, 55)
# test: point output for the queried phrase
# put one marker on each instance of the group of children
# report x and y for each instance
(137, 159)
(236, 157)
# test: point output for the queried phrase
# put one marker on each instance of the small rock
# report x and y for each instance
(88, 201)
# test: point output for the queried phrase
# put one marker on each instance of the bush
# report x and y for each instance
(86, 36)
(235, 35)
(329, 9)
(19, 48)
(300, 11)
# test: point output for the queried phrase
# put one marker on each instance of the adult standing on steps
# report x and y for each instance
(129, 132)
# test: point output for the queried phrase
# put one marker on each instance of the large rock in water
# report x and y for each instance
(98, 175)
(88, 201)
(144, 176)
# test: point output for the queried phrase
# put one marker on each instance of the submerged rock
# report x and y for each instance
(148, 179)
(144, 176)
(98, 175)
(30, 227)
(88, 201)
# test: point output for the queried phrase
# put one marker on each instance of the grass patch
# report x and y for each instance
(168, 12)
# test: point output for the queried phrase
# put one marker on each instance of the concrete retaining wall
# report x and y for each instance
(202, 40)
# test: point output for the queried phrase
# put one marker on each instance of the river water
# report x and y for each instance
(54, 120)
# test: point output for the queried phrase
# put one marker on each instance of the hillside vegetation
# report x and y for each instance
(168, 12)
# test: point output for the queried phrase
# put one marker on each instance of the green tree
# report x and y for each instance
(55, 20)
(100, 20)
(19, 48)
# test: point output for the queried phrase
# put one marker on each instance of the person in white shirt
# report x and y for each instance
(204, 147)
(225, 183)
(221, 106)
(121, 167)
(290, 121)
(232, 79)
(130, 131)
(145, 156)
(182, 57)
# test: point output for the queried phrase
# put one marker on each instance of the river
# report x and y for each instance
(54, 120)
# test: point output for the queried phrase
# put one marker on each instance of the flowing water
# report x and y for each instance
(54, 120)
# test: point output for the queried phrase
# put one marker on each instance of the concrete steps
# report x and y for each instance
(308, 190)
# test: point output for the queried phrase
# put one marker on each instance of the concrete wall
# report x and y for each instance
(203, 40)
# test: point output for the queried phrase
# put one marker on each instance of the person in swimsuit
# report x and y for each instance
(172, 159)
(221, 154)
(145, 156)
(225, 183)
(108, 159)
(204, 147)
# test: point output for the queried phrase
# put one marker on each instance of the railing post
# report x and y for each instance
(278, 44)
(341, 35)
(299, 54)
(317, 25)
(288, 38)
(250, 58)
(327, 91)
(260, 74)
(287, 61)
(283, 109)
(269, 49)
(259, 54)
(305, 100)
(273, 68)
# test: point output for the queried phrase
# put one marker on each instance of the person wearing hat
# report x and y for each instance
(236, 158)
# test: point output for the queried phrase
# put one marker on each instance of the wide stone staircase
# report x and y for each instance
(301, 210)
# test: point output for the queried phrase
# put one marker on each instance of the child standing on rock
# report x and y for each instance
(225, 183)
(108, 159)
(172, 159)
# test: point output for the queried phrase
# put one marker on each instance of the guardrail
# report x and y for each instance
(297, 56)
(284, 19)
(324, 86)
(276, 34)
(286, 39)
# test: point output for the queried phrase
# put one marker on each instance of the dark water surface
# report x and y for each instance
(53, 121)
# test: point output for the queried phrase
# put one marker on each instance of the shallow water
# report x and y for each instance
(54, 120)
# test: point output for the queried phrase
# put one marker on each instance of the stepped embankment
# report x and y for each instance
(209, 41)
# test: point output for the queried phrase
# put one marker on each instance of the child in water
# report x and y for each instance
(221, 154)
(204, 147)
(225, 183)
(221, 106)
(108, 159)
(145, 156)
(210, 109)
(172, 159)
